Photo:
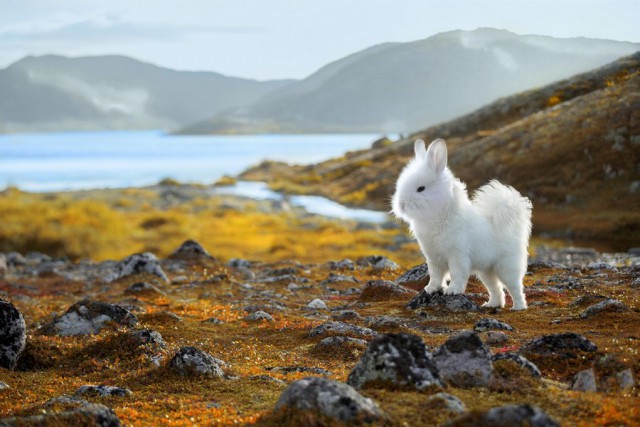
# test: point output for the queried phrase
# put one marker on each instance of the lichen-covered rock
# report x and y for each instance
(259, 316)
(464, 361)
(191, 361)
(447, 402)
(519, 360)
(87, 415)
(495, 338)
(191, 250)
(439, 300)
(487, 324)
(148, 337)
(12, 334)
(345, 264)
(377, 262)
(138, 264)
(4, 386)
(565, 345)
(102, 391)
(584, 380)
(395, 361)
(505, 416)
(89, 317)
(341, 328)
(317, 304)
(415, 278)
(238, 263)
(328, 398)
(384, 290)
(606, 306)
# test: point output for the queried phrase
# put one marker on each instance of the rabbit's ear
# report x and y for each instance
(437, 155)
(420, 149)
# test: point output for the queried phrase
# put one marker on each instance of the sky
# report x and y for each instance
(275, 39)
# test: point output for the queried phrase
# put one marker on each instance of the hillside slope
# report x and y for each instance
(573, 147)
(52, 93)
(401, 87)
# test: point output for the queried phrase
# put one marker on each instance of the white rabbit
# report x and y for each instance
(487, 236)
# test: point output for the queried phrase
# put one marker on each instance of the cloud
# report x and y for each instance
(106, 27)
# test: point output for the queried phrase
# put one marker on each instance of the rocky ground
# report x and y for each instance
(192, 340)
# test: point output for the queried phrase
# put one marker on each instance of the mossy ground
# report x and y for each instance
(251, 349)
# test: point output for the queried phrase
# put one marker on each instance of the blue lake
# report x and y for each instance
(86, 160)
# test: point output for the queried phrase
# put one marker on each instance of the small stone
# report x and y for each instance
(330, 399)
(138, 264)
(191, 250)
(13, 332)
(143, 289)
(520, 361)
(584, 381)
(239, 263)
(259, 316)
(439, 300)
(464, 361)
(4, 386)
(565, 345)
(102, 391)
(496, 338)
(606, 306)
(191, 361)
(89, 317)
(447, 402)
(213, 321)
(341, 328)
(415, 278)
(298, 369)
(148, 337)
(345, 264)
(317, 304)
(384, 321)
(15, 259)
(347, 347)
(396, 361)
(377, 262)
(384, 290)
(4, 267)
(626, 379)
(601, 266)
(506, 416)
(338, 278)
(487, 324)
(346, 315)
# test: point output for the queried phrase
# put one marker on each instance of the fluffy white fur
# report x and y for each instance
(487, 236)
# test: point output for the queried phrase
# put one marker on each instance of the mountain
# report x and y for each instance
(401, 87)
(50, 93)
(573, 147)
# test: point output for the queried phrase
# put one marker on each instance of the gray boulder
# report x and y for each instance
(565, 345)
(377, 262)
(89, 317)
(488, 324)
(86, 414)
(584, 380)
(138, 264)
(606, 306)
(439, 300)
(341, 328)
(418, 275)
(13, 332)
(396, 361)
(330, 399)
(464, 361)
(102, 391)
(191, 361)
(520, 361)
(506, 416)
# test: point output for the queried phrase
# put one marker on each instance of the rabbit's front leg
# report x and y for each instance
(460, 270)
(436, 277)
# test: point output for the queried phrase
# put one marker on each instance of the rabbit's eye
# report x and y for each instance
(420, 189)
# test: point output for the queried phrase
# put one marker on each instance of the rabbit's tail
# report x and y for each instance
(508, 211)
